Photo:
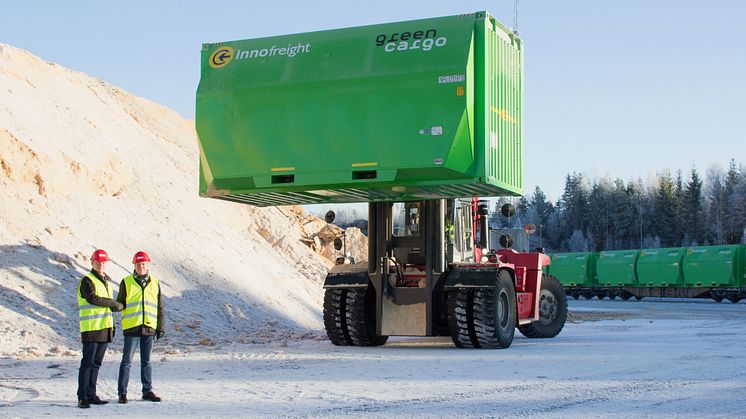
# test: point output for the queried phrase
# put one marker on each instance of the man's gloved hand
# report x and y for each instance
(159, 334)
(118, 306)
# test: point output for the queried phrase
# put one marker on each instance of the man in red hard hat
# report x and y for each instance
(96, 326)
(142, 321)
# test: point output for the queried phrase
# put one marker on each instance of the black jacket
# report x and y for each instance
(143, 330)
(88, 291)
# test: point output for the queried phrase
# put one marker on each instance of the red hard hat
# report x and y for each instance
(100, 255)
(140, 257)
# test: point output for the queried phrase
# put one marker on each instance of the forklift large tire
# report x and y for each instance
(461, 318)
(361, 317)
(552, 310)
(335, 316)
(495, 313)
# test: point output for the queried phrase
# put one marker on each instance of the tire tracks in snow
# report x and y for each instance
(379, 406)
(507, 404)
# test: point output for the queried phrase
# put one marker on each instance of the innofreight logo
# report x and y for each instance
(291, 50)
(225, 54)
(221, 57)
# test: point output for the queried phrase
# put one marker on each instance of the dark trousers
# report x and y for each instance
(93, 357)
(130, 344)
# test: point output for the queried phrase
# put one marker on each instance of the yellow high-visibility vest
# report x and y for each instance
(141, 305)
(93, 317)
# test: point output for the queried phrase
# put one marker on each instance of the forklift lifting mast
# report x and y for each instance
(434, 275)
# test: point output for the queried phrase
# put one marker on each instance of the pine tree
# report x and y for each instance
(716, 208)
(731, 211)
(543, 207)
(740, 205)
(574, 205)
(599, 215)
(679, 216)
(642, 202)
(664, 211)
(694, 211)
(623, 216)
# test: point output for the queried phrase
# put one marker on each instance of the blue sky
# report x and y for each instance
(623, 88)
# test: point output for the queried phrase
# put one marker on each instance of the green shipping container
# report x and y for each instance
(414, 110)
(617, 268)
(714, 266)
(660, 267)
(574, 269)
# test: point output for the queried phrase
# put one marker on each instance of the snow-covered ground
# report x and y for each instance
(614, 358)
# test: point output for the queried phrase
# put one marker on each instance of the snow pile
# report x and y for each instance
(85, 165)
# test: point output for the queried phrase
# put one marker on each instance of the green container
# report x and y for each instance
(714, 266)
(574, 269)
(660, 267)
(617, 268)
(424, 109)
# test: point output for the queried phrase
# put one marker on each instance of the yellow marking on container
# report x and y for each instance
(503, 114)
(369, 164)
(459, 90)
(283, 169)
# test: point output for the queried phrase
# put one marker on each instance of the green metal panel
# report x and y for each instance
(660, 267)
(413, 110)
(617, 268)
(714, 266)
(574, 269)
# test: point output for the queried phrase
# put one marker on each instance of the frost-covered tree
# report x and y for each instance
(649, 242)
(732, 212)
(578, 242)
(715, 212)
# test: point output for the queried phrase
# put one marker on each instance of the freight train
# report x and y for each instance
(716, 272)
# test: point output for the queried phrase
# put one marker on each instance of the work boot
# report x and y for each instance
(151, 397)
(122, 399)
(96, 400)
(83, 404)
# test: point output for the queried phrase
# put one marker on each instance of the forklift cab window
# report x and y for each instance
(462, 241)
(406, 219)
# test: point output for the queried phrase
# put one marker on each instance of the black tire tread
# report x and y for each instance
(335, 317)
(360, 312)
(460, 318)
(487, 328)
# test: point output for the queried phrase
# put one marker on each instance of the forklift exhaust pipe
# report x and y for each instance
(484, 225)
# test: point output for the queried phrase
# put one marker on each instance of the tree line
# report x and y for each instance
(604, 214)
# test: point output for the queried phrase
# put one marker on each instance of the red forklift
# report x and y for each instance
(431, 272)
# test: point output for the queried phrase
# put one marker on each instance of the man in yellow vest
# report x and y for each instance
(142, 320)
(96, 326)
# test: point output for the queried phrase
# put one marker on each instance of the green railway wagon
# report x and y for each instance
(714, 266)
(574, 269)
(617, 268)
(415, 110)
(661, 267)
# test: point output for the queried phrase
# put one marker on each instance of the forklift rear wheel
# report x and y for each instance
(552, 311)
